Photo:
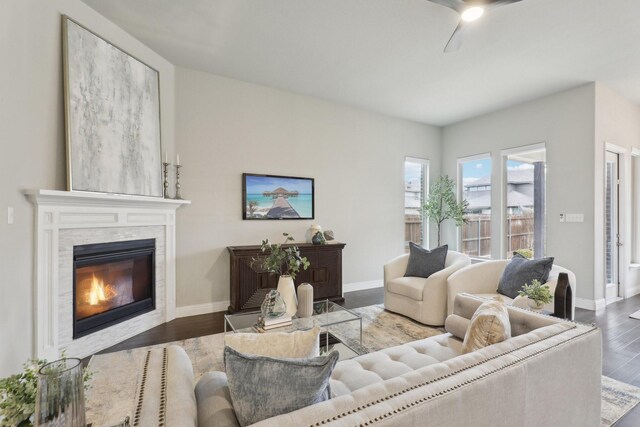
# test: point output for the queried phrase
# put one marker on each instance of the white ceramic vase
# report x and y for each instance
(288, 293)
(535, 306)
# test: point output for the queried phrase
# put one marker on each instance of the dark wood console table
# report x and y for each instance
(249, 283)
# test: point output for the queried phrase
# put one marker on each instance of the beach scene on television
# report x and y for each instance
(271, 197)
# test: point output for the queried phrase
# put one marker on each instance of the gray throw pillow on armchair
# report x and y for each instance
(262, 387)
(520, 271)
(424, 262)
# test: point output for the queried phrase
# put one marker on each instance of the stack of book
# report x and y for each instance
(277, 322)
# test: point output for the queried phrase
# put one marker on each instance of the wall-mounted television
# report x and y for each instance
(277, 197)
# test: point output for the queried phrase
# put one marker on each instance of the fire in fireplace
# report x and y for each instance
(112, 282)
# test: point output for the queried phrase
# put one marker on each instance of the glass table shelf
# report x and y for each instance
(326, 315)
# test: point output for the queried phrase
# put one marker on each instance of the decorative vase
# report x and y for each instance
(313, 230)
(535, 305)
(563, 298)
(288, 293)
(305, 300)
(60, 394)
(273, 305)
(318, 238)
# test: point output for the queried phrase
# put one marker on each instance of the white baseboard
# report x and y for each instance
(632, 292)
(360, 286)
(213, 307)
(589, 304)
(195, 310)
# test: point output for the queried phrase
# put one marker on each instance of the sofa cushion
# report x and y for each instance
(214, 401)
(424, 262)
(262, 387)
(410, 287)
(521, 270)
(456, 326)
(489, 325)
(298, 344)
(353, 374)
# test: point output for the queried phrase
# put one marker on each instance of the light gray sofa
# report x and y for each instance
(482, 279)
(547, 374)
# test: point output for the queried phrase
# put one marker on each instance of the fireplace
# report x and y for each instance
(112, 282)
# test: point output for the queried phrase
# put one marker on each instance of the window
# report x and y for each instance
(475, 175)
(525, 200)
(416, 172)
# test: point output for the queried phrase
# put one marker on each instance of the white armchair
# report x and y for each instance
(424, 300)
(482, 279)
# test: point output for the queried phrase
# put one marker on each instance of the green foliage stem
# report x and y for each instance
(281, 260)
(536, 291)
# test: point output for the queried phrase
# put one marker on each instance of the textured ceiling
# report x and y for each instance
(386, 55)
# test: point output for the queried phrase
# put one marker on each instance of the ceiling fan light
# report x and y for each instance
(472, 13)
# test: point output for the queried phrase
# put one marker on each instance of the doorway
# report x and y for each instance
(612, 226)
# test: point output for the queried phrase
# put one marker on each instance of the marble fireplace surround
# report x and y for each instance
(64, 219)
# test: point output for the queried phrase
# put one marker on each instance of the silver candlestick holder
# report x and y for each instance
(165, 184)
(178, 197)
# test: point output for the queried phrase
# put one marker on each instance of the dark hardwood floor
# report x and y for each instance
(620, 346)
(207, 324)
(620, 337)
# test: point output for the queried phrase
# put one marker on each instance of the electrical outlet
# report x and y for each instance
(10, 215)
(562, 218)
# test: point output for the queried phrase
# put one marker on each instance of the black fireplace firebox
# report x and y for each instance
(112, 282)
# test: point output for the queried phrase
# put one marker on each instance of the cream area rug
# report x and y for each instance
(116, 375)
(635, 315)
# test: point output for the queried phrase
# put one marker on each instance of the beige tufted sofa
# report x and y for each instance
(547, 374)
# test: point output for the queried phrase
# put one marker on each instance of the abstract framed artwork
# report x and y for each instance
(112, 108)
(277, 197)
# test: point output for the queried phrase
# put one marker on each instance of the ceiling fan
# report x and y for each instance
(469, 11)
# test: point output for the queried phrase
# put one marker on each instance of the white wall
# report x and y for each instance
(226, 127)
(33, 144)
(565, 122)
(618, 124)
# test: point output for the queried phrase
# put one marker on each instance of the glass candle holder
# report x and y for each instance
(60, 394)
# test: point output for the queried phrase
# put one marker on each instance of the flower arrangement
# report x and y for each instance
(18, 394)
(537, 292)
(283, 261)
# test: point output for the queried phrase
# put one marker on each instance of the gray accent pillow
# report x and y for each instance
(520, 271)
(262, 387)
(424, 262)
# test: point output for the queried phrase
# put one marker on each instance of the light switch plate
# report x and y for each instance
(10, 215)
(575, 217)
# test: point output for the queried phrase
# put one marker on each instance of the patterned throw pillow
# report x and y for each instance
(294, 345)
(264, 387)
(489, 325)
(424, 262)
(520, 271)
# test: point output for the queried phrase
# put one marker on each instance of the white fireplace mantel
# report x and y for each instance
(57, 211)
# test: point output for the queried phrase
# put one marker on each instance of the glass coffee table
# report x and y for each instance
(326, 314)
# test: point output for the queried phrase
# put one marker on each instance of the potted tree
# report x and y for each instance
(286, 262)
(442, 204)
